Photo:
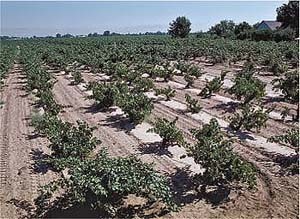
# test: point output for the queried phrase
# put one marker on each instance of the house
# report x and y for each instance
(269, 25)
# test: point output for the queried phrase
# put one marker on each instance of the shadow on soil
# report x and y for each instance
(182, 185)
(227, 107)
(242, 135)
(94, 108)
(118, 122)
(56, 210)
(39, 165)
(186, 191)
(273, 100)
(154, 148)
(289, 165)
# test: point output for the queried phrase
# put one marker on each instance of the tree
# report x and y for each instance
(262, 35)
(224, 28)
(95, 34)
(180, 27)
(286, 34)
(168, 132)
(67, 36)
(106, 33)
(242, 27)
(243, 30)
(58, 35)
(288, 14)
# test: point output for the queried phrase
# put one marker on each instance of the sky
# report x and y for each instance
(48, 18)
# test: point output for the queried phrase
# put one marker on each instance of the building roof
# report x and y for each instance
(273, 25)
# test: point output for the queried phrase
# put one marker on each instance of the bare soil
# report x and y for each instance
(19, 148)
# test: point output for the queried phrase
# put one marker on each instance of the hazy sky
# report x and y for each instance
(49, 18)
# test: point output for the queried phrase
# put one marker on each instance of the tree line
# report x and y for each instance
(287, 14)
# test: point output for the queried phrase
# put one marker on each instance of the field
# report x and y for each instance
(243, 94)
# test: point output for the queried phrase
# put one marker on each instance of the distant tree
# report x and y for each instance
(95, 34)
(262, 35)
(224, 28)
(286, 34)
(288, 14)
(67, 35)
(180, 27)
(242, 27)
(58, 35)
(106, 33)
(4, 37)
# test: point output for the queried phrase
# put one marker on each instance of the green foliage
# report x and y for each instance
(262, 35)
(137, 106)
(247, 88)
(168, 132)
(164, 73)
(142, 84)
(69, 144)
(192, 104)
(288, 14)
(38, 79)
(168, 92)
(7, 55)
(225, 28)
(77, 77)
(288, 85)
(249, 118)
(46, 100)
(277, 67)
(214, 153)
(194, 71)
(213, 86)
(284, 35)
(241, 28)
(105, 94)
(180, 27)
(182, 66)
(103, 183)
(291, 138)
(189, 79)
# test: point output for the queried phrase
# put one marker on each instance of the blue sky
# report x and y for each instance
(49, 18)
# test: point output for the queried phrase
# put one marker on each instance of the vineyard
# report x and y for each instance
(149, 126)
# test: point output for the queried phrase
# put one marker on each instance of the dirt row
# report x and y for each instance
(19, 148)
